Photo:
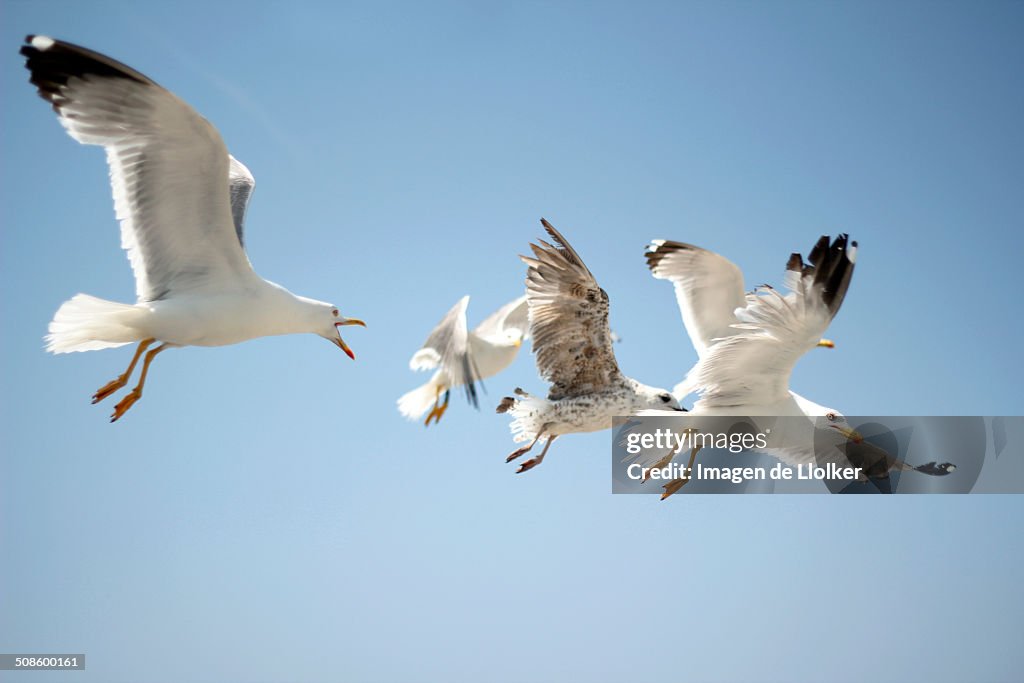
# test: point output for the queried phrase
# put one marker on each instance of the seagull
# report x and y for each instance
(568, 313)
(462, 357)
(748, 344)
(181, 200)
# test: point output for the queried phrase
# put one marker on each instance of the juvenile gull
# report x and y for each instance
(568, 315)
(463, 357)
(181, 200)
(748, 344)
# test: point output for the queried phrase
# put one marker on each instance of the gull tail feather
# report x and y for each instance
(527, 411)
(86, 323)
(418, 401)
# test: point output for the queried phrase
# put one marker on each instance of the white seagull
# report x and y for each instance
(181, 199)
(463, 357)
(748, 344)
(568, 315)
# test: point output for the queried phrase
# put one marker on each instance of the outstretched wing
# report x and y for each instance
(169, 168)
(240, 186)
(568, 314)
(753, 366)
(447, 348)
(512, 317)
(709, 289)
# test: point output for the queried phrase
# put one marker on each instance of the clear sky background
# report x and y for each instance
(265, 514)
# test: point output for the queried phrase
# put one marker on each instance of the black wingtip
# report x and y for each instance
(936, 469)
(53, 64)
(832, 269)
(472, 376)
(657, 251)
(819, 249)
(795, 263)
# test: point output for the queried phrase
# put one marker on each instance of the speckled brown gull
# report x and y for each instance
(572, 343)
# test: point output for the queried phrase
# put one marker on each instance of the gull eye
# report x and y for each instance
(335, 312)
(665, 398)
(831, 417)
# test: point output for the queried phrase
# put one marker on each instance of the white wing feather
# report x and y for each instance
(448, 348)
(753, 365)
(709, 289)
(513, 316)
(241, 185)
(169, 168)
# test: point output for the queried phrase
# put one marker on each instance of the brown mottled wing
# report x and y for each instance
(568, 320)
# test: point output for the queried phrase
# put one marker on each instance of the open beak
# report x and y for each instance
(339, 342)
(851, 434)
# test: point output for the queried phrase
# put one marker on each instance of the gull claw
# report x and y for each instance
(528, 465)
(659, 465)
(109, 388)
(125, 403)
(673, 486)
(436, 413)
(516, 453)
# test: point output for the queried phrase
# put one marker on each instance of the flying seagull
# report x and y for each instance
(568, 314)
(748, 344)
(181, 200)
(463, 357)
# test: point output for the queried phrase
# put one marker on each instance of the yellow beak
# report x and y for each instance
(339, 342)
(851, 434)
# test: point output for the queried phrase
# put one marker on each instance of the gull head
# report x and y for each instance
(328, 323)
(506, 337)
(512, 336)
(875, 461)
(653, 398)
(829, 418)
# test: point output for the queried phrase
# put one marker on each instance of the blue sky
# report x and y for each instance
(265, 514)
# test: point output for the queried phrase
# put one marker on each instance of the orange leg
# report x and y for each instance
(122, 379)
(438, 411)
(525, 449)
(533, 462)
(660, 464)
(677, 484)
(135, 394)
